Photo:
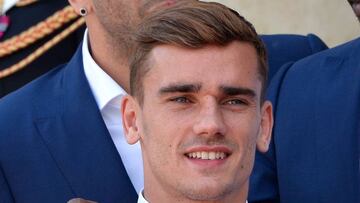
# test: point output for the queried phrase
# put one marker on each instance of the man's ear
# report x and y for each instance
(129, 113)
(266, 126)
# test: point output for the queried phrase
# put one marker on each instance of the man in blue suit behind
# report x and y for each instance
(314, 156)
(61, 135)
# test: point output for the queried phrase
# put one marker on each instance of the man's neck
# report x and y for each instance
(111, 57)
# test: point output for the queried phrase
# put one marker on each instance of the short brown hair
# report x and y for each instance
(194, 25)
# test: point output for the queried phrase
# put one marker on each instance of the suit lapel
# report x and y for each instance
(80, 144)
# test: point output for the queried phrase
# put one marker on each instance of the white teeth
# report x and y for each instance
(207, 155)
(204, 155)
(211, 155)
(222, 155)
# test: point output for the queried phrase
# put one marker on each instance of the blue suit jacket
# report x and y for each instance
(55, 146)
(314, 156)
(283, 48)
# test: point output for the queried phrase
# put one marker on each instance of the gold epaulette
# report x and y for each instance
(25, 2)
(37, 32)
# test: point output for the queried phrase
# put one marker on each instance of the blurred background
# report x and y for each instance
(332, 20)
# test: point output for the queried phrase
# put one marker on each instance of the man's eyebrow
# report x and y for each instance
(232, 91)
(184, 88)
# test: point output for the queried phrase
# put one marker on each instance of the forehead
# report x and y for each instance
(212, 66)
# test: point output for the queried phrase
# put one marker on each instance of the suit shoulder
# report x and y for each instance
(20, 103)
(307, 44)
(342, 51)
(314, 64)
(320, 65)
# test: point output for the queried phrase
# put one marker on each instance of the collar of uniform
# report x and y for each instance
(7, 5)
(141, 198)
(103, 87)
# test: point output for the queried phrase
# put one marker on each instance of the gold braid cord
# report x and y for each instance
(41, 50)
(1, 6)
(36, 33)
(25, 2)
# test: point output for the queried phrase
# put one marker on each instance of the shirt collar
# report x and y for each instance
(141, 198)
(7, 5)
(103, 87)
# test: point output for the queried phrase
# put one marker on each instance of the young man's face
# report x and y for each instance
(200, 121)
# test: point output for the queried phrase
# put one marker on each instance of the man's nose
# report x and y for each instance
(210, 121)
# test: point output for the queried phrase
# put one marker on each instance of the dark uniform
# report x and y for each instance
(21, 18)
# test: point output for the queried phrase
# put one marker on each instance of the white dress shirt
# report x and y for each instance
(141, 198)
(108, 96)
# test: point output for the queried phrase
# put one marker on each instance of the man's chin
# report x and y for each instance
(207, 192)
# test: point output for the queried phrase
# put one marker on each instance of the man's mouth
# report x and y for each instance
(207, 155)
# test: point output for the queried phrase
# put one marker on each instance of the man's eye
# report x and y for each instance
(236, 102)
(180, 100)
